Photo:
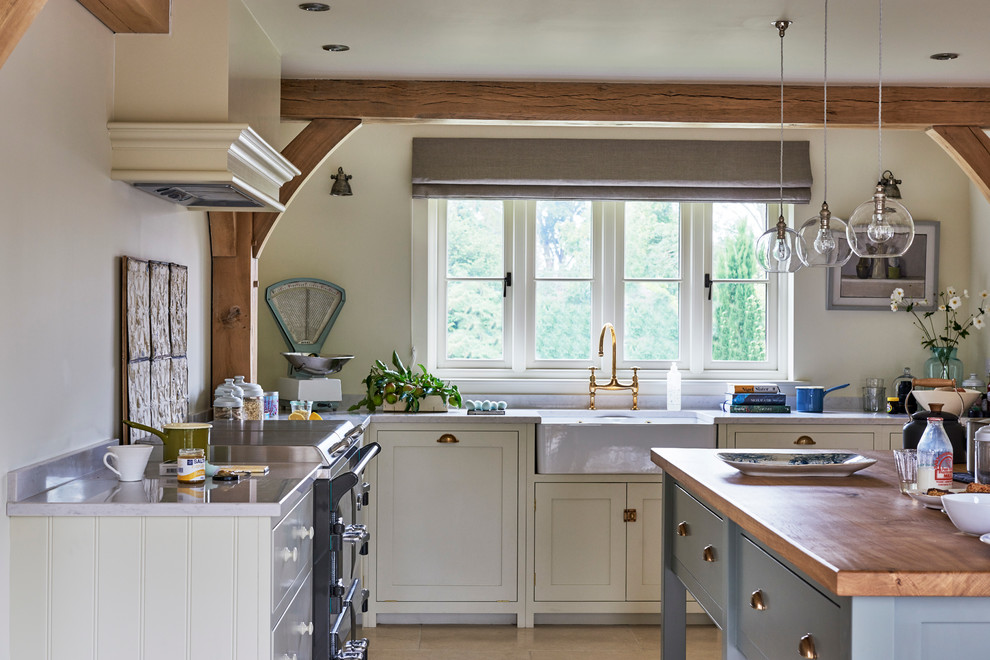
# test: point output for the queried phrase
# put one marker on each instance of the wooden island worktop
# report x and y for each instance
(896, 578)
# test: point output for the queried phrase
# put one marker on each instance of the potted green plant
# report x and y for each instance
(401, 388)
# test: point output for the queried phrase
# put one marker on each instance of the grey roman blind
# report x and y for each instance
(675, 170)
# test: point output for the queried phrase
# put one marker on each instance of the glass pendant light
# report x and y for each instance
(825, 241)
(881, 227)
(778, 248)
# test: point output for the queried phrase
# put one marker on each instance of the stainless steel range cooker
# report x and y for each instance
(340, 538)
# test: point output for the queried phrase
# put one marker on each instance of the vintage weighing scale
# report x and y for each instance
(305, 309)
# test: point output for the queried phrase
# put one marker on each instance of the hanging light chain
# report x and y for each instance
(782, 26)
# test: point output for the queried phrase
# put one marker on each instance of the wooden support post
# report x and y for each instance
(234, 346)
(969, 147)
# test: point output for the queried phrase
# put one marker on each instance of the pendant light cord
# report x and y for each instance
(880, 94)
(825, 109)
(782, 121)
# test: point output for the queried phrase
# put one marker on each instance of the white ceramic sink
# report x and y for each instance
(614, 441)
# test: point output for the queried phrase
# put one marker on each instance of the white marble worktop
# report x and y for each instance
(75, 485)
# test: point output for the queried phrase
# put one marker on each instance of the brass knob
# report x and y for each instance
(805, 440)
(448, 438)
(708, 554)
(806, 647)
(756, 600)
(682, 529)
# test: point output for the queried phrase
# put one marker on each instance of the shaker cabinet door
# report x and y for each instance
(447, 516)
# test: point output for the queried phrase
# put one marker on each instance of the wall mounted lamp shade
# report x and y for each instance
(778, 248)
(881, 227)
(340, 187)
(825, 242)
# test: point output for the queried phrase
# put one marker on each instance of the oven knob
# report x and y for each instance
(337, 590)
(365, 495)
(337, 528)
(292, 554)
(304, 628)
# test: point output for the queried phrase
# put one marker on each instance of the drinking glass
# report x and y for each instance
(906, 461)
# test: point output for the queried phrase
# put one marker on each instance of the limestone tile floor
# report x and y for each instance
(551, 642)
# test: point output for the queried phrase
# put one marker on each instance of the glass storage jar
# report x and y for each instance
(227, 407)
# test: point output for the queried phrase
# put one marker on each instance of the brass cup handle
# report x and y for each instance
(805, 440)
(806, 647)
(682, 529)
(756, 601)
(708, 554)
(448, 438)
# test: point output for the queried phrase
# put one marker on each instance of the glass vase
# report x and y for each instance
(944, 364)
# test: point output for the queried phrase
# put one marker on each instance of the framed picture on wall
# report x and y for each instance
(866, 284)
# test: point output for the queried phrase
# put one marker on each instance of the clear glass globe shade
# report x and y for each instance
(876, 235)
(779, 255)
(824, 248)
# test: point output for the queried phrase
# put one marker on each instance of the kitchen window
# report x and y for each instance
(522, 288)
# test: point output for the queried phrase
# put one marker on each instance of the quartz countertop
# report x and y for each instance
(101, 494)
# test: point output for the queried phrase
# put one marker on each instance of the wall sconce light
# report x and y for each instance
(340, 186)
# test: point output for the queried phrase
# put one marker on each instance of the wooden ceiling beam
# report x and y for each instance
(132, 16)
(15, 17)
(724, 105)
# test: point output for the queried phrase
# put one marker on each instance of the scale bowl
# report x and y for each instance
(317, 365)
(956, 401)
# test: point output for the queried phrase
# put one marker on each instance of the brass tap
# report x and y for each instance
(613, 383)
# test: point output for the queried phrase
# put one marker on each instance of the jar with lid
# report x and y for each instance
(227, 407)
(253, 400)
(901, 387)
(229, 387)
(192, 465)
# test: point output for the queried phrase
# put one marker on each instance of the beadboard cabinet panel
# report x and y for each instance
(133, 588)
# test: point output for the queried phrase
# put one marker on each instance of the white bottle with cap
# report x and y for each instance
(673, 388)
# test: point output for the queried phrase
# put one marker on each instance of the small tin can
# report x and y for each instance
(192, 466)
(271, 405)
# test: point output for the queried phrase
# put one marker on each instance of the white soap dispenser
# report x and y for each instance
(673, 388)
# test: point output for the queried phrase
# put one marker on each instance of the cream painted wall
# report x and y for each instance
(980, 272)
(64, 227)
(363, 244)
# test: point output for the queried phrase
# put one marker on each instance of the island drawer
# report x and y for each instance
(698, 535)
(292, 637)
(292, 551)
(781, 615)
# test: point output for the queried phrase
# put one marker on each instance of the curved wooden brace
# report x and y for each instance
(307, 151)
(15, 17)
(969, 147)
(236, 240)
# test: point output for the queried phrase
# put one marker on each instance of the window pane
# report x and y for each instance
(735, 228)
(739, 322)
(474, 320)
(652, 321)
(563, 239)
(563, 321)
(474, 238)
(652, 240)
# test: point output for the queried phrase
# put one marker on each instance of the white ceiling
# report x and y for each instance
(631, 40)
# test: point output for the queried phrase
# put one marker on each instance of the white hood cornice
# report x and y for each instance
(203, 166)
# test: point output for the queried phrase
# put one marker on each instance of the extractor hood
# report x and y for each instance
(202, 166)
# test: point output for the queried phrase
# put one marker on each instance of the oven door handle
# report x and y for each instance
(348, 480)
(365, 454)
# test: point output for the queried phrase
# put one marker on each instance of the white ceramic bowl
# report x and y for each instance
(970, 512)
(956, 402)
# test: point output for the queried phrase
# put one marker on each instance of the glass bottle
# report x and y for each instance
(934, 457)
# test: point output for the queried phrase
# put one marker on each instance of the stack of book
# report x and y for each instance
(754, 398)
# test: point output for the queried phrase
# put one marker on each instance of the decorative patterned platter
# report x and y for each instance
(933, 501)
(810, 463)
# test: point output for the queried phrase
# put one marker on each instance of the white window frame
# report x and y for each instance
(428, 314)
